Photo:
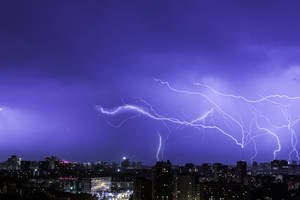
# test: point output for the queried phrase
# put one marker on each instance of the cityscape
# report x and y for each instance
(150, 100)
(53, 178)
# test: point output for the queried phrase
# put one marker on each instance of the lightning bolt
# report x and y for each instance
(268, 98)
(290, 127)
(159, 146)
(262, 99)
(247, 136)
(255, 151)
(218, 108)
(163, 122)
(270, 132)
(192, 123)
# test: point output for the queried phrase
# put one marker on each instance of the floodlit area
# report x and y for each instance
(102, 184)
(115, 196)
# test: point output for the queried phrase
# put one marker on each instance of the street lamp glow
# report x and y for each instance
(1, 108)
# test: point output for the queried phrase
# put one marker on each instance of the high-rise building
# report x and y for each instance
(125, 163)
(186, 187)
(142, 188)
(53, 162)
(241, 167)
(220, 172)
(162, 181)
(189, 168)
(279, 167)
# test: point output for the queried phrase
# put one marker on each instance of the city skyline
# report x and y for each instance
(198, 81)
(53, 178)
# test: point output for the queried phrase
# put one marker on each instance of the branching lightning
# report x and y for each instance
(218, 108)
(268, 131)
(290, 126)
(247, 135)
(262, 99)
(192, 123)
(269, 98)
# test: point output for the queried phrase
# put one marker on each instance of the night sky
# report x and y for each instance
(60, 59)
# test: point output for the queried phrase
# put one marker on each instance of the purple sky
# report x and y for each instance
(59, 59)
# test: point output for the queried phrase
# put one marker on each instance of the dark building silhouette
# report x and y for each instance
(241, 168)
(187, 187)
(279, 167)
(142, 189)
(13, 163)
(125, 163)
(189, 168)
(220, 172)
(52, 177)
(162, 181)
(221, 191)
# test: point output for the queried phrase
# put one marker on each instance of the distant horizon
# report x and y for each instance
(144, 164)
